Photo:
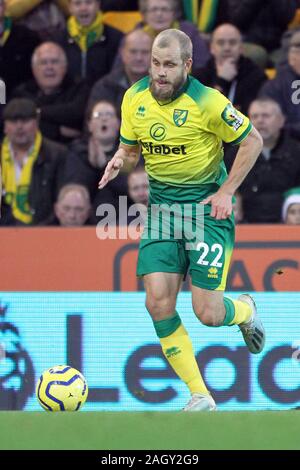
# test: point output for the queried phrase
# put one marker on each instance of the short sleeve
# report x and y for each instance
(226, 121)
(127, 136)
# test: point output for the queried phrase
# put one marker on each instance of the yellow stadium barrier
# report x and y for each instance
(124, 21)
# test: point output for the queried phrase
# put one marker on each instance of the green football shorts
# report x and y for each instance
(203, 247)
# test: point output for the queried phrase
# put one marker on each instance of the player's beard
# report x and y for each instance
(165, 95)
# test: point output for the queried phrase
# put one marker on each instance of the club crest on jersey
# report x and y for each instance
(232, 118)
(180, 116)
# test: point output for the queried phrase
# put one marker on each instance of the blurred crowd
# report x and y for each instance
(66, 65)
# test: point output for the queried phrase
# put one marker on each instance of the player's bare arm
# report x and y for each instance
(221, 201)
(125, 159)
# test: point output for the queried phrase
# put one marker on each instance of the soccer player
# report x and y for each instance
(180, 125)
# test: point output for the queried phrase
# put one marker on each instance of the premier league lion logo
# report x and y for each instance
(232, 117)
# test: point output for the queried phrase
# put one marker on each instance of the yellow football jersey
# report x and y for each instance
(182, 139)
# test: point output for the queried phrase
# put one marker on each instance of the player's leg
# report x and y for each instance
(209, 263)
(213, 309)
(161, 294)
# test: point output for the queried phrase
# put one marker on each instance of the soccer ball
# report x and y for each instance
(61, 388)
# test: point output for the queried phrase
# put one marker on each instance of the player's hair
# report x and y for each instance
(143, 5)
(67, 188)
(267, 99)
(166, 37)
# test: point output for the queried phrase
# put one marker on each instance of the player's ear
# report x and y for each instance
(188, 65)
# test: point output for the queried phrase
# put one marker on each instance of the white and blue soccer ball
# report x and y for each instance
(62, 388)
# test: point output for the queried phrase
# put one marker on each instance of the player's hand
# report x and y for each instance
(221, 205)
(111, 171)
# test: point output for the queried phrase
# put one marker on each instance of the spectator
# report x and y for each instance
(262, 23)
(236, 76)
(135, 56)
(44, 17)
(88, 156)
(285, 87)
(291, 207)
(138, 186)
(138, 191)
(60, 99)
(73, 206)
(276, 170)
(161, 14)
(32, 167)
(17, 44)
(90, 45)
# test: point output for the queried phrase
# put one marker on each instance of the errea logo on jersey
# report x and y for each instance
(141, 111)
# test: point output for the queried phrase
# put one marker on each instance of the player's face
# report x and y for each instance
(49, 67)
(104, 123)
(136, 53)
(293, 214)
(73, 210)
(85, 11)
(138, 187)
(160, 14)
(21, 132)
(226, 44)
(168, 72)
(267, 119)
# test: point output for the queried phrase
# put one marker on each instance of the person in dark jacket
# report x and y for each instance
(276, 170)
(88, 156)
(236, 76)
(60, 99)
(90, 45)
(32, 167)
(285, 87)
(135, 57)
(262, 22)
(17, 44)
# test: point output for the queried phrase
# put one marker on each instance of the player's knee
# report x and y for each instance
(207, 315)
(159, 307)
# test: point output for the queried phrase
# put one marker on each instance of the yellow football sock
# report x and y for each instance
(178, 350)
(242, 312)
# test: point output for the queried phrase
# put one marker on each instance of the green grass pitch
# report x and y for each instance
(151, 430)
